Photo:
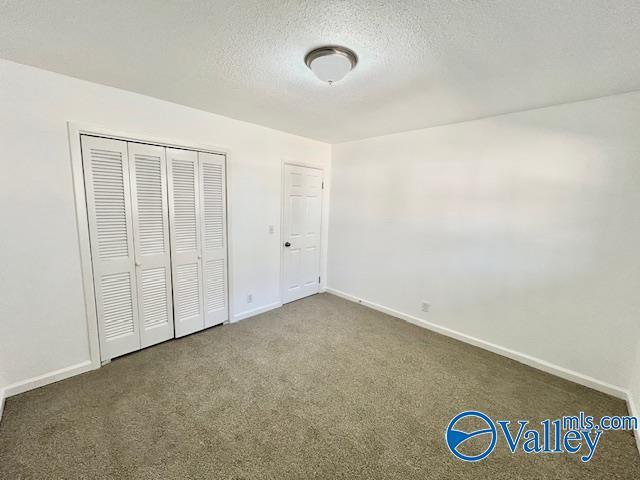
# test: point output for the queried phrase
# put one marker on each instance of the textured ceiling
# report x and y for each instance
(422, 63)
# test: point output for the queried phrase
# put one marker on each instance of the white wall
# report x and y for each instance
(522, 230)
(41, 307)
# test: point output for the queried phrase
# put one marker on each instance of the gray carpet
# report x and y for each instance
(321, 388)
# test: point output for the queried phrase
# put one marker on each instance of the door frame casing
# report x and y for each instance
(75, 130)
(315, 166)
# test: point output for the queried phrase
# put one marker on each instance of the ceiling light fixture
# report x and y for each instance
(331, 63)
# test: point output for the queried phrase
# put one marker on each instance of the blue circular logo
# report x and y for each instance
(456, 438)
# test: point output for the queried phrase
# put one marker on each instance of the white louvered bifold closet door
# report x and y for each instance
(150, 204)
(214, 237)
(186, 248)
(106, 168)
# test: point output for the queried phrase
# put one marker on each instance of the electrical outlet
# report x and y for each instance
(272, 229)
(250, 298)
(426, 306)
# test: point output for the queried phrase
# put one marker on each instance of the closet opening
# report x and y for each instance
(155, 245)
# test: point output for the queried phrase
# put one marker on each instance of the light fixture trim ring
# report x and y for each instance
(331, 50)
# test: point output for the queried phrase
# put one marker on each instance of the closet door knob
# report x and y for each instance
(138, 264)
(287, 244)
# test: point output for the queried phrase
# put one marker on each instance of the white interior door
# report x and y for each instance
(151, 239)
(214, 237)
(106, 168)
(302, 226)
(186, 248)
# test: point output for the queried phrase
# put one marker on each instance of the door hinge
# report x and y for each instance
(323, 185)
(318, 279)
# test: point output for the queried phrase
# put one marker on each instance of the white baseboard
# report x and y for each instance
(634, 412)
(1, 403)
(47, 378)
(256, 311)
(534, 362)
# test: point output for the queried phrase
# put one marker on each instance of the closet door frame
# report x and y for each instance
(75, 130)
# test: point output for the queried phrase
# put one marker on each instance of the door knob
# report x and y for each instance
(138, 264)
(287, 244)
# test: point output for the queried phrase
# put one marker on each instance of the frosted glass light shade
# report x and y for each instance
(331, 64)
